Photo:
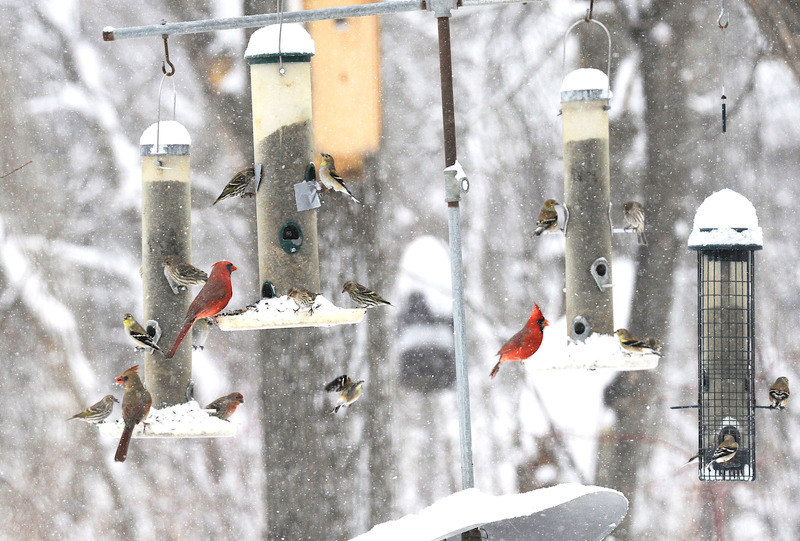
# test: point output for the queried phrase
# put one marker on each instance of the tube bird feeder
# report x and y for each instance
(584, 105)
(726, 235)
(166, 230)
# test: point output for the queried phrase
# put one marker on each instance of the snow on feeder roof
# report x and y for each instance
(295, 42)
(172, 138)
(726, 219)
(281, 312)
(585, 84)
(186, 420)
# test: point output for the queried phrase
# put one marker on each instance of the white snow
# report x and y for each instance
(180, 421)
(170, 133)
(726, 218)
(425, 268)
(470, 508)
(585, 79)
(282, 312)
(294, 40)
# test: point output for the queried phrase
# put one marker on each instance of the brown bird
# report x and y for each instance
(779, 393)
(363, 296)
(98, 412)
(633, 212)
(548, 218)
(303, 298)
(238, 185)
(182, 275)
(224, 406)
(136, 404)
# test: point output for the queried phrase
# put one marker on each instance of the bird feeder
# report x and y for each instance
(726, 235)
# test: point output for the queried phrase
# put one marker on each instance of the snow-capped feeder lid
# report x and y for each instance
(585, 84)
(726, 219)
(187, 420)
(295, 45)
(173, 139)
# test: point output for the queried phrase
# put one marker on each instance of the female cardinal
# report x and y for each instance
(136, 404)
(525, 343)
(209, 302)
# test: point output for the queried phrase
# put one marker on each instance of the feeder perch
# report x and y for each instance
(186, 420)
(282, 313)
(726, 235)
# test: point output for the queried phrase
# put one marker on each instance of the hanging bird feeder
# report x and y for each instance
(726, 235)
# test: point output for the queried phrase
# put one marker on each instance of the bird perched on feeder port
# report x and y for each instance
(349, 391)
(548, 218)
(224, 406)
(525, 343)
(303, 298)
(363, 296)
(136, 404)
(145, 338)
(631, 344)
(633, 213)
(200, 331)
(238, 185)
(98, 412)
(330, 179)
(724, 452)
(779, 393)
(211, 300)
(182, 275)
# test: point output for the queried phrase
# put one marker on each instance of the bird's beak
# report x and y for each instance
(118, 380)
(546, 323)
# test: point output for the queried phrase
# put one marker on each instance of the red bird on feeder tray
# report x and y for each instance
(214, 296)
(136, 404)
(525, 343)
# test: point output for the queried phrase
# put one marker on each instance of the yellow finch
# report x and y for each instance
(548, 218)
(779, 393)
(632, 344)
(330, 179)
(349, 391)
(144, 338)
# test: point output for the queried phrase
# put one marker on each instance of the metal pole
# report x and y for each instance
(452, 195)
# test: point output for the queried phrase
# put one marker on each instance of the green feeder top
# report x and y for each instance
(726, 220)
(295, 44)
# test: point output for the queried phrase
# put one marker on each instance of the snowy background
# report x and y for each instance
(70, 252)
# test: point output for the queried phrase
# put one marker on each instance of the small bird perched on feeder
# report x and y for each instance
(224, 406)
(98, 412)
(211, 300)
(182, 275)
(363, 296)
(525, 343)
(349, 391)
(779, 393)
(303, 298)
(238, 185)
(548, 218)
(200, 331)
(724, 452)
(145, 338)
(633, 213)
(136, 404)
(631, 344)
(330, 179)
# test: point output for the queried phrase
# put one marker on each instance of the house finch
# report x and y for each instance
(97, 413)
(182, 275)
(214, 296)
(136, 404)
(525, 343)
(779, 393)
(303, 298)
(200, 331)
(349, 391)
(548, 218)
(362, 296)
(224, 406)
(632, 344)
(144, 338)
(238, 185)
(330, 179)
(633, 212)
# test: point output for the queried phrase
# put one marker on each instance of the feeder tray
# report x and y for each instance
(282, 313)
(187, 420)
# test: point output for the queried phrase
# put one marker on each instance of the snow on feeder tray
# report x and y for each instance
(187, 420)
(282, 312)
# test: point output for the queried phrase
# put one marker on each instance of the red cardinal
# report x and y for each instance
(209, 302)
(136, 404)
(525, 343)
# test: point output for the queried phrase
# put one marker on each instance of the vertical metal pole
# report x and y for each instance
(166, 230)
(452, 194)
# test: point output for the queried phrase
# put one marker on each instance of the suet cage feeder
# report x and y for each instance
(726, 236)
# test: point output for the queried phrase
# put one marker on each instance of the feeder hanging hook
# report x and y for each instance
(167, 61)
(589, 11)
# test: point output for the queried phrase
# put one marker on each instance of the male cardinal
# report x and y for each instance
(209, 302)
(136, 404)
(224, 406)
(525, 343)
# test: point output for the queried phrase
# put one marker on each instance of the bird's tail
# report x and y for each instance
(641, 238)
(495, 370)
(124, 441)
(176, 344)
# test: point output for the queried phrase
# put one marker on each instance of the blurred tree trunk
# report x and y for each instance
(779, 21)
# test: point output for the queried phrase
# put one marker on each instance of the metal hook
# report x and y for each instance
(589, 11)
(722, 20)
(281, 70)
(166, 61)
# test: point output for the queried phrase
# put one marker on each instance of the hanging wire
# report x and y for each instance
(281, 70)
(589, 11)
(722, 22)
(587, 19)
(170, 73)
